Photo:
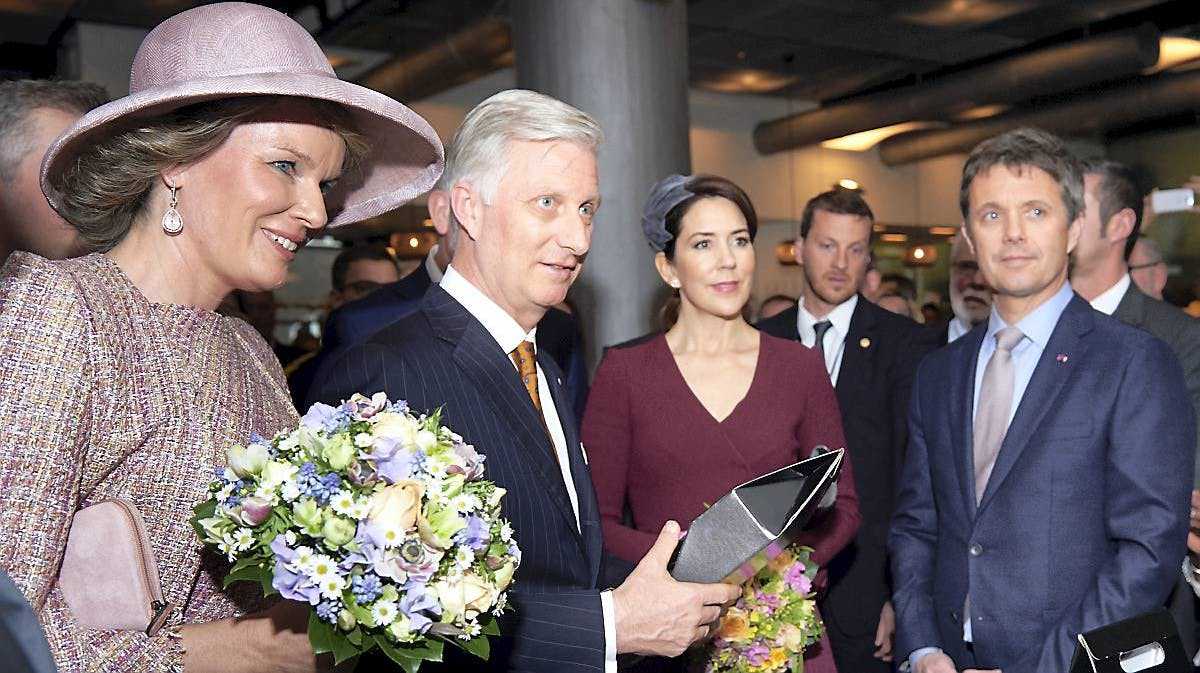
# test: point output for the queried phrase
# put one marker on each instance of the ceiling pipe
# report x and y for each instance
(1043, 72)
(1159, 96)
(480, 48)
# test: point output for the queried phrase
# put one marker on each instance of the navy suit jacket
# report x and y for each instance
(880, 359)
(557, 336)
(1085, 515)
(441, 356)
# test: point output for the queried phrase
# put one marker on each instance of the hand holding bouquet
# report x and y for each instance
(773, 621)
(379, 519)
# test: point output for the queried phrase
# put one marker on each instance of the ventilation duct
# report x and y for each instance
(1047, 71)
(1160, 96)
(469, 54)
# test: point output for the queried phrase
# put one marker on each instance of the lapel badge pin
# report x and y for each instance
(864, 342)
(1061, 357)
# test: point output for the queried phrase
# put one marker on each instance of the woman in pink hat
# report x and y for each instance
(117, 378)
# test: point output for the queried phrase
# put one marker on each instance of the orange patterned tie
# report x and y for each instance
(526, 360)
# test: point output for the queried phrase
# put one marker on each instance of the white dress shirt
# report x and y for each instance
(957, 328)
(834, 343)
(1108, 300)
(509, 334)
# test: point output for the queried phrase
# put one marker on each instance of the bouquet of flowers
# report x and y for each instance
(772, 622)
(379, 519)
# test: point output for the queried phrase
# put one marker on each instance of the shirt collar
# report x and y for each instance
(503, 328)
(1040, 323)
(839, 316)
(431, 265)
(1108, 300)
(957, 328)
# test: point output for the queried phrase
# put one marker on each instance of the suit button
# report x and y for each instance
(975, 549)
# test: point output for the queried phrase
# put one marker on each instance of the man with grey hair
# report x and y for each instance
(33, 113)
(523, 188)
(970, 295)
(1148, 267)
(1046, 488)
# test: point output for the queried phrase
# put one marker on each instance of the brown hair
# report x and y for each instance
(1026, 147)
(105, 188)
(706, 187)
(840, 201)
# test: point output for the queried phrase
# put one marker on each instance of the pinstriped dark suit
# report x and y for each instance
(442, 356)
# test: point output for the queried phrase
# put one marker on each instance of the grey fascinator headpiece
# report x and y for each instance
(664, 196)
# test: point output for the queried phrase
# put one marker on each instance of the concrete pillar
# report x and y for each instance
(625, 63)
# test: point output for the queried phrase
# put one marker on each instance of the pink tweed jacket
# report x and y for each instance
(102, 394)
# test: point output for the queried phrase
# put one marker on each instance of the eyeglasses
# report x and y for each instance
(965, 267)
(1147, 265)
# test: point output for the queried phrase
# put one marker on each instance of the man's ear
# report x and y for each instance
(439, 211)
(797, 250)
(1120, 226)
(467, 206)
(966, 234)
(1073, 231)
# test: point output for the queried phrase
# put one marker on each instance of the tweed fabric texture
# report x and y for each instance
(103, 394)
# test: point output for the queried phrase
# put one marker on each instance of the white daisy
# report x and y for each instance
(303, 562)
(332, 587)
(321, 568)
(506, 532)
(464, 557)
(361, 509)
(383, 612)
(363, 439)
(289, 491)
(342, 502)
(243, 539)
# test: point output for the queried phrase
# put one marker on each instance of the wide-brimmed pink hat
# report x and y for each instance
(239, 49)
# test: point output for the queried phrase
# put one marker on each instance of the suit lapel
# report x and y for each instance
(1132, 309)
(1044, 386)
(856, 357)
(479, 357)
(585, 493)
(962, 404)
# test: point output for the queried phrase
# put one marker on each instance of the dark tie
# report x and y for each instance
(525, 358)
(995, 403)
(821, 328)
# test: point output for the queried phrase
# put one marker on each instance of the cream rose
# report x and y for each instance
(396, 426)
(398, 506)
(468, 597)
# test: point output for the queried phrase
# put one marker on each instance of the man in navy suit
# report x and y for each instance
(871, 355)
(1046, 488)
(523, 188)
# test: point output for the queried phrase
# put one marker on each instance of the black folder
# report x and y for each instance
(732, 540)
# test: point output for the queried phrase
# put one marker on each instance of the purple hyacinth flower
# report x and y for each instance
(475, 535)
(758, 654)
(399, 465)
(795, 578)
(318, 416)
(416, 601)
(291, 585)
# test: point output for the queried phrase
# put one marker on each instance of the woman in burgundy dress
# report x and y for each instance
(673, 422)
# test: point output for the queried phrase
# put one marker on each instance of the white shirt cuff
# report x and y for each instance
(919, 654)
(1191, 574)
(610, 632)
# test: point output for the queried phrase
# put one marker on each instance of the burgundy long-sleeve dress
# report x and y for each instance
(652, 443)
